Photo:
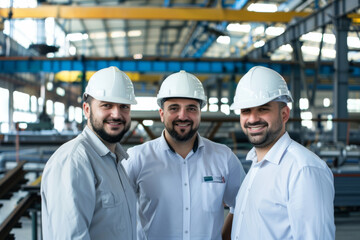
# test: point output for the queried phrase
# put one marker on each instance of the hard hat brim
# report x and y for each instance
(114, 99)
(251, 103)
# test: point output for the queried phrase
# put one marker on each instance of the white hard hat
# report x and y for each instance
(182, 85)
(111, 85)
(258, 86)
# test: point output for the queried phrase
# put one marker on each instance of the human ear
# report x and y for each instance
(87, 109)
(161, 112)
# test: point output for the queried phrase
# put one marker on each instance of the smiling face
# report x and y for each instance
(109, 121)
(264, 125)
(181, 118)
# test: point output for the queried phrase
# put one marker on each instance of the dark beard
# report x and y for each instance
(107, 137)
(181, 138)
(266, 140)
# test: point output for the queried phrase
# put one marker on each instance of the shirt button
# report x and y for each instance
(186, 208)
(184, 162)
(185, 184)
(186, 231)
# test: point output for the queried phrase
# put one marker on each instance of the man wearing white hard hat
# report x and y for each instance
(288, 192)
(85, 191)
(181, 178)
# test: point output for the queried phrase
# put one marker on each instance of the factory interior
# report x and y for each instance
(50, 48)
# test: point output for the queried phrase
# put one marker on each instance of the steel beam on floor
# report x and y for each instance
(10, 182)
(11, 221)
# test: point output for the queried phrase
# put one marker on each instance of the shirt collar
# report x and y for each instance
(275, 154)
(165, 145)
(100, 147)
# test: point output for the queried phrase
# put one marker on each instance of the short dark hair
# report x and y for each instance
(282, 105)
(87, 98)
(165, 99)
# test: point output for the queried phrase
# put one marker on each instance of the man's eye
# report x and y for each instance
(244, 111)
(172, 109)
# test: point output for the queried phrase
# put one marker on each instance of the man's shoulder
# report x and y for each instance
(74, 147)
(303, 157)
(214, 145)
(144, 147)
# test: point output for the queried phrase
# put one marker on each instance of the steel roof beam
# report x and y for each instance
(150, 13)
(158, 65)
(321, 18)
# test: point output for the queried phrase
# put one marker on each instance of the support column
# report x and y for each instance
(219, 92)
(208, 92)
(11, 108)
(295, 87)
(83, 86)
(341, 66)
(231, 89)
(297, 77)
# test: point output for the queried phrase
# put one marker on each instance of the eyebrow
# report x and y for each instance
(178, 105)
(192, 105)
(174, 105)
(265, 105)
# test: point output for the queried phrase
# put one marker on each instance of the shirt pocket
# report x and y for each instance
(108, 200)
(114, 208)
(212, 195)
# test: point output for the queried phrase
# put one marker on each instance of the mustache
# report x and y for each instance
(247, 125)
(182, 121)
(115, 120)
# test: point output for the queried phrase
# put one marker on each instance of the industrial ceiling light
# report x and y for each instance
(138, 56)
(316, 37)
(286, 48)
(98, 35)
(118, 34)
(74, 37)
(274, 31)
(134, 33)
(223, 40)
(259, 44)
(262, 7)
(237, 27)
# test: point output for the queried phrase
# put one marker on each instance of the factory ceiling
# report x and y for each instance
(179, 28)
(148, 30)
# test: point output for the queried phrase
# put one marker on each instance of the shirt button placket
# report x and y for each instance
(186, 201)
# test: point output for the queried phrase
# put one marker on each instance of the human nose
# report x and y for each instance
(253, 117)
(182, 114)
(116, 112)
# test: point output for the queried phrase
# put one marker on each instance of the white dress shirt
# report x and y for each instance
(86, 194)
(288, 195)
(182, 199)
